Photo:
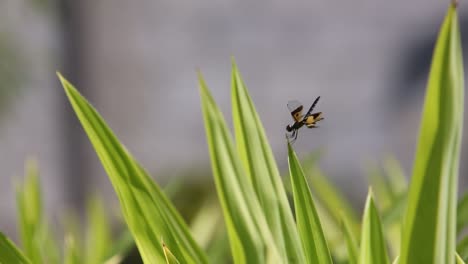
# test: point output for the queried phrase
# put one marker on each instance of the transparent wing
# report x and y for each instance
(293, 105)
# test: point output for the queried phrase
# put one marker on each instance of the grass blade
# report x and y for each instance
(147, 211)
(29, 204)
(308, 222)
(390, 198)
(351, 243)
(72, 252)
(37, 241)
(373, 249)
(429, 228)
(98, 238)
(9, 253)
(250, 239)
(459, 259)
(462, 248)
(331, 197)
(260, 164)
(170, 258)
(462, 213)
(121, 247)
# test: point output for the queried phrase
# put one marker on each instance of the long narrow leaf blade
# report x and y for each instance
(9, 253)
(462, 248)
(308, 222)
(257, 157)
(373, 249)
(98, 237)
(429, 229)
(147, 211)
(251, 240)
(170, 258)
(30, 216)
(332, 198)
(462, 213)
(351, 243)
(459, 259)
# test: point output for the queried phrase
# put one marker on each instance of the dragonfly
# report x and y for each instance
(309, 119)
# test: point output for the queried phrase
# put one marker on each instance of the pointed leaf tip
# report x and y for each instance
(233, 62)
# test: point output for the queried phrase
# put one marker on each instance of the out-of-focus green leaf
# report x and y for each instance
(250, 239)
(206, 222)
(462, 213)
(332, 206)
(390, 197)
(331, 197)
(308, 221)
(9, 253)
(351, 243)
(120, 247)
(373, 249)
(72, 251)
(333, 232)
(37, 241)
(429, 233)
(147, 211)
(384, 195)
(74, 238)
(462, 248)
(98, 238)
(459, 259)
(257, 158)
(29, 204)
(218, 250)
(396, 176)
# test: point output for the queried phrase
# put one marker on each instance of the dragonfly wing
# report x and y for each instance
(312, 119)
(295, 107)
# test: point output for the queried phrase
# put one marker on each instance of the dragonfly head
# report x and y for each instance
(289, 128)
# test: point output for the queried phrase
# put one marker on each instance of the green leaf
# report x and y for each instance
(384, 195)
(9, 253)
(147, 211)
(72, 254)
(120, 248)
(331, 197)
(257, 157)
(308, 222)
(170, 258)
(390, 197)
(462, 248)
(36, 239)
(98, 239)
(206, 222)
(396, 176)
(29, 204)
(459, 259)
(351, 242)
(250, 239)
(373, 249)
(429, 230)
(462, 213)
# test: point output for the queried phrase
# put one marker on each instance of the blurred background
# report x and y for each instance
(136, 62)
